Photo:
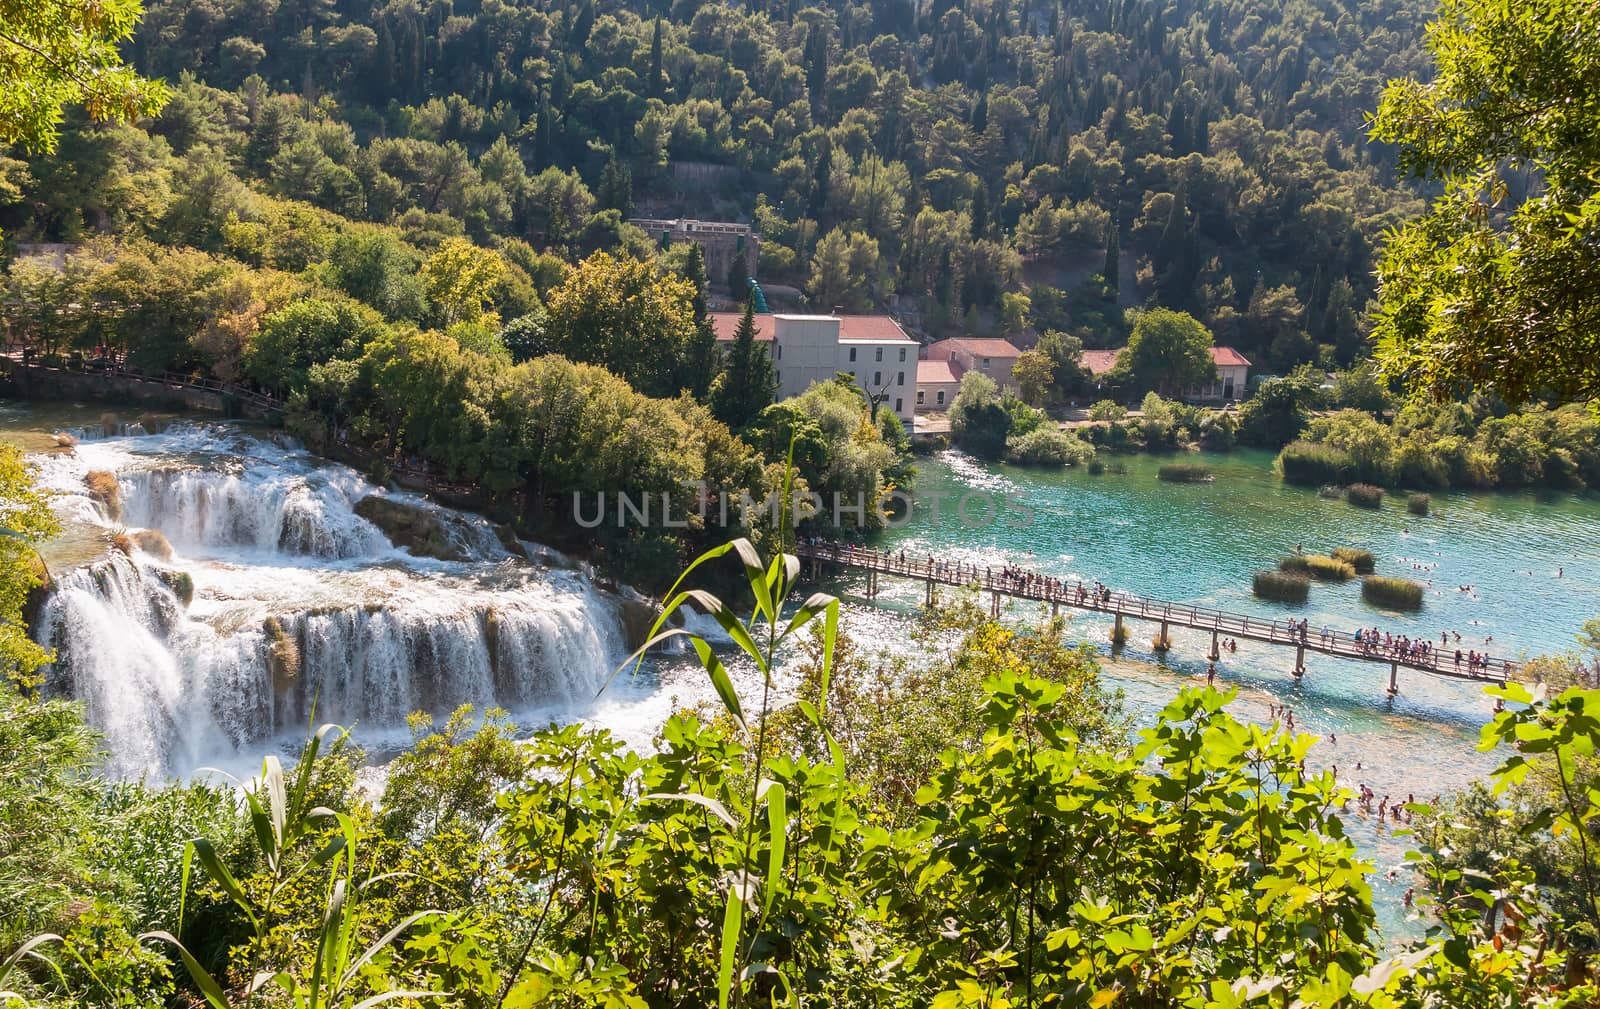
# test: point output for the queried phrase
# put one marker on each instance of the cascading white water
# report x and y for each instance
(302, 609)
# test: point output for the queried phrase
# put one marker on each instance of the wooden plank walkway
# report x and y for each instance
(1074, 594)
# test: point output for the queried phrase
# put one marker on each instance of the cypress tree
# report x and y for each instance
(748, 384)
(701, 360)
(1111, 270)
(655, 61)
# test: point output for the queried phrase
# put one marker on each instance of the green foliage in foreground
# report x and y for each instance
(814, 855)
(1392, 593)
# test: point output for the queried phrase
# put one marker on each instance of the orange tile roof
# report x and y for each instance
(935, 372)
(1098, 362)
(1101, 361)
(981, 346)
(878, 328)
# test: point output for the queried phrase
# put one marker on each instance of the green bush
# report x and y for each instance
(1281, 586)
(1364, 495)
(1392, 593)
(1184, 472)
(1419, 504)
(1361, 560)
(1047, 446)
(1311, 465)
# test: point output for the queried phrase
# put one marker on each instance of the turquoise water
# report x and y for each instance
(1199, 543)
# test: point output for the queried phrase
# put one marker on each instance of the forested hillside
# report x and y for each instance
(968, 163)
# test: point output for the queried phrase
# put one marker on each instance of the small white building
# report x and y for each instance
(806, 349)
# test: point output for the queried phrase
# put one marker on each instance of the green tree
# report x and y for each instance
(25, 521)
(848, 272)
(1167, 352)
(65, 52)
(1497, 285)
(978, 418)
(620, 313)
(747, 384)
(1035, 373)
(459, 279)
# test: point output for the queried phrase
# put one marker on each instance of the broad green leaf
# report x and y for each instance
(732, 927)
(777, 836)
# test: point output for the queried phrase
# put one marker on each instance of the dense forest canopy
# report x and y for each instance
(978, 160)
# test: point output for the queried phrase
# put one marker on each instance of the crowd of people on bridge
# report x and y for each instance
(1371, 642)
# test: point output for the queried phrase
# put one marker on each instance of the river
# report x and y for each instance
(303, 611)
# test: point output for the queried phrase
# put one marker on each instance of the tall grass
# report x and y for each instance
(1323, 569)
(103, 487)
(1419, 504)
(1364, 495)
(1311, 465)
(1392, 593)
(1184, 472)
(1361, 560)
(1281, 586)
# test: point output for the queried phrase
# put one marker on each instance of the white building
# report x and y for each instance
(806, 349)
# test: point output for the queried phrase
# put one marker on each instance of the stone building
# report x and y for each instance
(723, 243)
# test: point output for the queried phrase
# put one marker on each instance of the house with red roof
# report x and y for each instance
(990, 355)
(1233, 371)
(814, 348)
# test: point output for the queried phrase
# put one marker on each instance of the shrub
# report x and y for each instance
(153, 543)
(1096, 467)
(1296, 564)
(103, 487)
(1047, 446)
(1184, 472)
(1107, 410)
(1419, 504)
(1392, 593)
(1330, 492)
(1281, 586)
(1328, 569)
(1364, 495)
(1361, 560)
(1310, 465)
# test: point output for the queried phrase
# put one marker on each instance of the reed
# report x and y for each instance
(1281, 586)
(1329, 569)
(1361, 560)
(1392, 593)
(1419, 504)
(1364, 495)
(1185, 472)
(103, 487)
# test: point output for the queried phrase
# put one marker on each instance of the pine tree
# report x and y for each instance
(747, 384)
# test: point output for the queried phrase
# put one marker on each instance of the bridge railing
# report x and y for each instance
(1030, 585)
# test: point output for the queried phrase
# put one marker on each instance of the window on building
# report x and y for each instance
(986, 362)
(921, 397)
(902, 355)
(938, 397)
(777, 378)
(897, 406)
(880, 353)
(900, 378)
(852, 355)
(778, 348)
(877, 379)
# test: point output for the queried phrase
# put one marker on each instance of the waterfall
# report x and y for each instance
(301, 609)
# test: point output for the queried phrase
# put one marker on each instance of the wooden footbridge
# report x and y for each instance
(1122, 606)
